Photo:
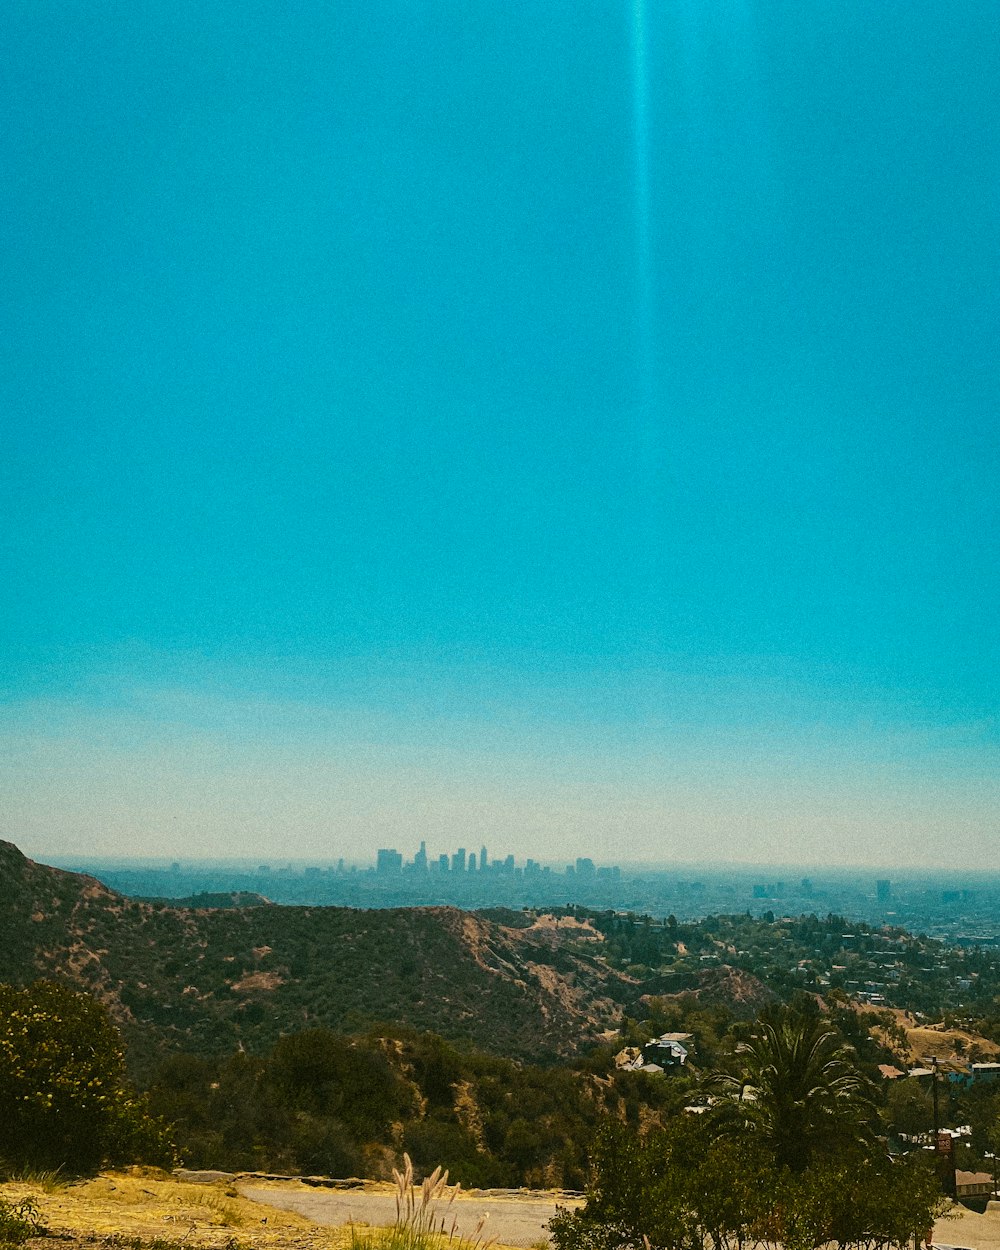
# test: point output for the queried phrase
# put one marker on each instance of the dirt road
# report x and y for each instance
(513, 1221)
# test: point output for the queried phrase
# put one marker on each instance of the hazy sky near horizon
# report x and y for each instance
(572, 427)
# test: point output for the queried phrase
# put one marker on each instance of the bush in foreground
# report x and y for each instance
(64, 1099)
(683, 1189)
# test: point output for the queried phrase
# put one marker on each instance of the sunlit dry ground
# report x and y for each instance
(150, 1206)
(925, 1041)
(154, 1207)
(967, 1228)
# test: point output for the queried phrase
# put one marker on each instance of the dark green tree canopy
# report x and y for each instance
(64, 1099)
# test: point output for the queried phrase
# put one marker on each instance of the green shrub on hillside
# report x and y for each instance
(682, 1187)
(323, 1103)
(64, 1100)
(786, 1152)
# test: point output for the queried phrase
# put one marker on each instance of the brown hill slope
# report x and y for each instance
(209, 980)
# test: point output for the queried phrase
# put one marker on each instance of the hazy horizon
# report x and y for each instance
(567, 427)
(830, 872)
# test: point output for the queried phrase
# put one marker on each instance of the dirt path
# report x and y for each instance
(970, 1229)
(511, 1221)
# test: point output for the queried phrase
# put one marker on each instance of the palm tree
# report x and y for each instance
(798, 1091)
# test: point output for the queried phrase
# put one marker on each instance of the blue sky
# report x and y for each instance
(411, 431)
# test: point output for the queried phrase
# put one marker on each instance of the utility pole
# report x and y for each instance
(934, 1092)
(944, 1143)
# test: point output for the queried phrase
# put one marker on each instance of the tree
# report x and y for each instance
(858, 1199)
(797, 1090)
(685, 1189)
(908, 1108)
(64, 1098)
(786, 1155)
(325, 1074)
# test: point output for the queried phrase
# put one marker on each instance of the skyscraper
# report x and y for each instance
(388, 861)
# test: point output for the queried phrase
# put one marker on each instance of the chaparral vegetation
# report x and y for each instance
(695, 1089)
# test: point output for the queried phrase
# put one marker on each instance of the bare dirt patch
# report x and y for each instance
(258, 981)
(962, 1227)
(930, 1041)
(948, 1045)
(546, 925)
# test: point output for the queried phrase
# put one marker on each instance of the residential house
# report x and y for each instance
(669, 1050)
(973, 1184)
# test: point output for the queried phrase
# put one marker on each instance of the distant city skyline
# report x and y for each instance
(538, 421)
(959, 905)
(214, 772)
(389, 861)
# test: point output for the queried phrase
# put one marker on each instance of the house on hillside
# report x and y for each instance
(631, 1060)
(669, 1050)
(666, 1053)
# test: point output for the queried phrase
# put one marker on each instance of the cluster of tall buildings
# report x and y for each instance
(389, 862)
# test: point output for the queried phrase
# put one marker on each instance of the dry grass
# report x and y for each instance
(942, 1044)
(424, 1218)
(47, 1180)
(151, 1207)
(926, 1041)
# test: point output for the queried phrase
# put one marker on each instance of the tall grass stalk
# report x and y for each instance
(425, 1219)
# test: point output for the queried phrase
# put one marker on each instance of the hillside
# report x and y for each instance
(240, 973)
(914, 1043)
(209, 980)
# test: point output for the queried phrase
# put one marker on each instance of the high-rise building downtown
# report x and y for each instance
(388, 861)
